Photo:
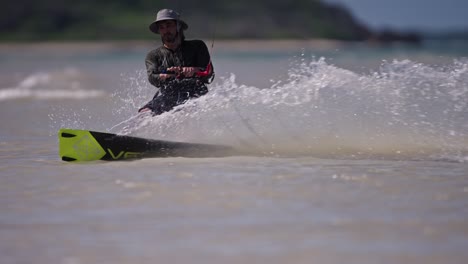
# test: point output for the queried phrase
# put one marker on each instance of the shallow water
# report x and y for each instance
(358, 157)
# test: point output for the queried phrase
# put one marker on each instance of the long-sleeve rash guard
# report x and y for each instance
(191, 53)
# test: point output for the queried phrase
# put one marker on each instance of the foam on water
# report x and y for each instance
(403, 110)
(61, 84)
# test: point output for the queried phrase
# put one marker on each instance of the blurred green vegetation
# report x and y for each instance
(32, 20)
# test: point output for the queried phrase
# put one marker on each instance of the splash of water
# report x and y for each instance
(403, 110)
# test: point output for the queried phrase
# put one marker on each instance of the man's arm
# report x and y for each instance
(156, 75)
(204, 60)
(153, 75)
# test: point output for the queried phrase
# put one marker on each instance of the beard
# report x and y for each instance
(169, 38)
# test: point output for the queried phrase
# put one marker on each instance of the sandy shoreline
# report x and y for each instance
(136, 45)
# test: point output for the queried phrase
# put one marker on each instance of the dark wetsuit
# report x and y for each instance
(175, 91)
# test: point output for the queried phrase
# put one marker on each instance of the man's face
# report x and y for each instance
(168, 30)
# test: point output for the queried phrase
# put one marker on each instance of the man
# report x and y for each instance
(179, 68)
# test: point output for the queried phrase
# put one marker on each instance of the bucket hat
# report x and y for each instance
(166, 14)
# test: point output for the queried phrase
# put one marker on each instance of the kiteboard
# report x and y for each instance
(85, 145)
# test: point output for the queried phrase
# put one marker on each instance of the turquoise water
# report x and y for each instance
(358, 154)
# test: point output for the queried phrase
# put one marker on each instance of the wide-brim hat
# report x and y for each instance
(166, 14)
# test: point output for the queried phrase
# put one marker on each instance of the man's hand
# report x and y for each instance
(184, 71)
(164, 76)
(189, 71)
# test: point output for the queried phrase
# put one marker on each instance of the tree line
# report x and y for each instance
(30, 20)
